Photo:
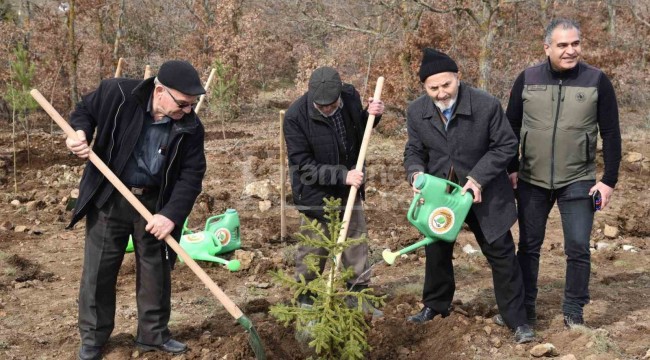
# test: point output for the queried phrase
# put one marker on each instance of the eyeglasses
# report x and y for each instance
(181, 105)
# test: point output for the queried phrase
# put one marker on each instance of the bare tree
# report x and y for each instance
(119, 30)
(73, 52)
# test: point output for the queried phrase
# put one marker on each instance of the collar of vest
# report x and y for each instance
(567, 74)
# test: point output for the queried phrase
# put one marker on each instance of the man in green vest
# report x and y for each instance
(556, 109)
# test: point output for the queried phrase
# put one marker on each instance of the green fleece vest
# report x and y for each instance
(560, 126)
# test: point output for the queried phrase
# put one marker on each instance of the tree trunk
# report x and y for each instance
(74, 55)
(488, 29)
(118, 32)
(13, 146)
(611, 13)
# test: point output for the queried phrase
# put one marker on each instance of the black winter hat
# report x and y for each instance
(181, 76)
(325, 85)
(435, 62)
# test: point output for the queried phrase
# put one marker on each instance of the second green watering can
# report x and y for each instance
(438, 211)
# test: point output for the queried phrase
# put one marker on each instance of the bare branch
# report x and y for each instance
(432, 9)
(644, 22)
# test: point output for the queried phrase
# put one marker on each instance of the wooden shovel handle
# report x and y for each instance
(147, 72)
(362, 158)
(118, 70)
(283, 179)
(230, 306)
(207, 87)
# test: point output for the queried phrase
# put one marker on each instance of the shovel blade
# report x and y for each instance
(253, 337)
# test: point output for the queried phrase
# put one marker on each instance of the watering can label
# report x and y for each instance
(223, 235)
(194, 238)
(441, 220)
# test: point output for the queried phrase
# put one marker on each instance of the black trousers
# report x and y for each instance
(439, 284)
(107, 234)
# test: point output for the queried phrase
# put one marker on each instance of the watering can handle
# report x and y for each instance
(415, 207)
(455, 187)
(213, 218)
(185, 229)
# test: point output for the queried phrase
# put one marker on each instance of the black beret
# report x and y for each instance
(325, 85)
(434, 62)
(181, 76)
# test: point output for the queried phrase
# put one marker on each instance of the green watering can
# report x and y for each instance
(220, 235)
(439, 214)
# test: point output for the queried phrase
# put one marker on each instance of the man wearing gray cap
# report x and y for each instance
(461, 133)
(323, 130)
(149, 135)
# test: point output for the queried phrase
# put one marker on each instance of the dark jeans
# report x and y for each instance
(439, 284)
(577, 215)
(107, 234)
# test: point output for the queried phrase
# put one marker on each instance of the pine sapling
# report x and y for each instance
(336, 323)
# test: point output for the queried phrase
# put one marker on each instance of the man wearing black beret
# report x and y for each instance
(149, 135)
(323, 131)
(460, 133)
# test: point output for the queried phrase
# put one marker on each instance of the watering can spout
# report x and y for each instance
(438, 211)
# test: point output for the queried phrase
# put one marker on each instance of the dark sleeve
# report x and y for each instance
(301, 155)
(610, 131)
(515, 114)
(415, 155)
(84, 116)
(502, 147)
(189, 183)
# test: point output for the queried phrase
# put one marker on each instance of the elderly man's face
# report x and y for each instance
(564, 50)
(173, 103)
(329, 109)
(442, 88)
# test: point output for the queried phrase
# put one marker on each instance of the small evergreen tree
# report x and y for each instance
(21, 102)
(222, 94)
(336, 330)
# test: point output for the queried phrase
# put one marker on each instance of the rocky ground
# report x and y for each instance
(40, 261)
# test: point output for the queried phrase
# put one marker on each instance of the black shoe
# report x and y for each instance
(89, 352)
(571, 320)
(524, 334)
(170, 346)
(498, 319)
(425, 315)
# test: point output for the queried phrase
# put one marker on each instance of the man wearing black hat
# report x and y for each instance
(323, 130)
(460, 133)
(149, 136)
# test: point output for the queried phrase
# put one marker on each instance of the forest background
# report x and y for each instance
(264, 52)
(269, 47)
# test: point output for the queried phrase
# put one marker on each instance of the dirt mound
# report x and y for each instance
(27, 270)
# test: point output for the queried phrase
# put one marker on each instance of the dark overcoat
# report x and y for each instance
(314, 151)
(479, 142)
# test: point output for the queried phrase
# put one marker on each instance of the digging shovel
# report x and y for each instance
(231, 307)
(353, 191)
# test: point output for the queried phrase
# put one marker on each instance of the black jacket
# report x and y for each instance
(114, 113)
(314, 151)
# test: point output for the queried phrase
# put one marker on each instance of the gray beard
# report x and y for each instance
(444, 107)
